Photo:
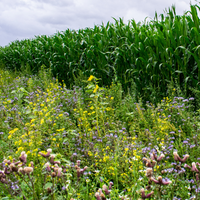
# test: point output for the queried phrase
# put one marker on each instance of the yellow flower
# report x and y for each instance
(42, 121)
(92, 107)
(9, 136)
(95, 89)
(91, 78)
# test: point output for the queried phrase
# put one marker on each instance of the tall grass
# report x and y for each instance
(150, 54)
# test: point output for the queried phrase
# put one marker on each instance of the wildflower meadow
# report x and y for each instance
(94, 142)
(109, 113)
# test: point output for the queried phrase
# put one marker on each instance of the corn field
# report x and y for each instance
(150, 54)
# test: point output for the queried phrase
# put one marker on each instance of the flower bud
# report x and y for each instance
(23, 157)
(47, 165)
(21, 170)
(145, 196)
(177, 157)
(110, 185)
(59, 172)
(105, 189)
(78, 163)
(187, 166)
(13, 167)
(28, 170)
(49, 190)
(194, 168)
(53, 174)
(149, 172)
(97, 195)
(160, 157)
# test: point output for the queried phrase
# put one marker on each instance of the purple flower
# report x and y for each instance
(185, 100)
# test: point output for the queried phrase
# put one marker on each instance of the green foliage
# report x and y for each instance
(57, 143)
(149, 55)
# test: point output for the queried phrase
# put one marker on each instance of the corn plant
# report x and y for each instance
(150, 54)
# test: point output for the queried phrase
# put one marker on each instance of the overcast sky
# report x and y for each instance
(21, 19)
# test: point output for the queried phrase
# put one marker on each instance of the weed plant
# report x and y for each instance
(93, 142)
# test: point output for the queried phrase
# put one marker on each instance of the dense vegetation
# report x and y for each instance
(82, 114)
(147, 55)
(91, 143)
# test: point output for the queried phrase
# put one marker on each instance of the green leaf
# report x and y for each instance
(27, 111)
(26, 100)
(48, 185)
(179, 72)
(23, 90)
(64, 160)
(14, 91)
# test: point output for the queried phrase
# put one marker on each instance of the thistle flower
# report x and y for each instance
(78, 163)
(80, 171)
(49, 190)
(7, 161)
(47, 165)
(103, 196)
(194, 167)
(13, 167)
(177, 157)
(110, 185)
(198, 164)
(160, 157)
(23, 157)
(3, 180)
(47, 154)
(153, 156)
(160, 181)
(56, 168)
(145, 196)
(149, 172)
(149, 163)
(53, 174)
(17, 163)
(21, 170)
(28, 170)
(59, 172)
(105, 189)
(187, 166)
(2, 175)
(97, 195)
(52, 160)
(6, 171)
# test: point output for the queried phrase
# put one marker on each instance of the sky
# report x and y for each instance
(25, 19)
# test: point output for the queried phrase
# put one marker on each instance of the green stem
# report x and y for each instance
(34, 194)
